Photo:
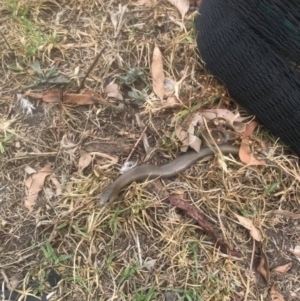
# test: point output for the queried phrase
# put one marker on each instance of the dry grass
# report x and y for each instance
(108, 247)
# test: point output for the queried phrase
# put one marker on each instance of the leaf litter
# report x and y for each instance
(35, 184)
(105, 161)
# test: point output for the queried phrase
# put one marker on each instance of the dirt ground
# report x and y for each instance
(139, 247)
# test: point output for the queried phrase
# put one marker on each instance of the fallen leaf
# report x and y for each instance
(49, 193)
(29, 170)
(54, 96)
(275, 295)
(263, 267)
(282, 269)
(188, 137)
(194, 141)
(288, 214)
(183, 137)
(171, 102)
(235, 121)
(296, 251)
(157, 73)
(245, 154)
(182, 6)
(247, 223)
(84, 161)
(35, 184)
(113, 90)
(57, 186)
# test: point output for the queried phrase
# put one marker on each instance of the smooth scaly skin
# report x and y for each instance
(144, 172)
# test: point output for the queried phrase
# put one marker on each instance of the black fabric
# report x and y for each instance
(253, 46)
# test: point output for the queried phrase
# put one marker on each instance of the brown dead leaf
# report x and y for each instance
(263, 267)
(113, 90)
(275, 295)
(84, 161)
(171, 102)
(29, 170)
(282, 269)
(296, 252)
(182, 6)
(235, 121)
(157, 72)
(183, 137)
(57, 186)
(54, 96)
(35, 184)
(187, 137)
(245, 154)
(247, 223)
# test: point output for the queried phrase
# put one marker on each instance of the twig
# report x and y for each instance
(90, 69)
(61, 98)
(145, 139)
(3, 36)
(250, 269)
(136, 144)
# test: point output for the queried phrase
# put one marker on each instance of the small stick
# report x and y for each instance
(3, 36)
(136, 144)
(145, 139)
(90, 69)
(61, 98)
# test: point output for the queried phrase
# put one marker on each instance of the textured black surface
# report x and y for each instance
(253, 47)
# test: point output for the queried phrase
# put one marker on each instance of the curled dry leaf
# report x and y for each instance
(29, 170)
(296, 251)
(245, 154)
(182, 6)
(187, 137)
(171, 102)
(157, 72)
(247, 223)
(235, 121)
(35, 184)
(84, 161)
(263, 267)
(282, 269)
(275, 295)
(113, 90)
(183, 136)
